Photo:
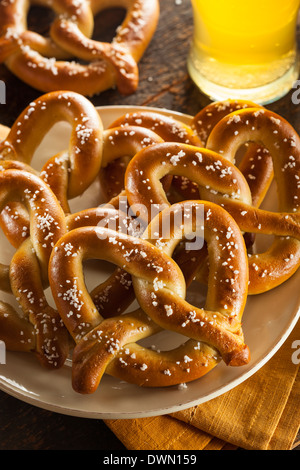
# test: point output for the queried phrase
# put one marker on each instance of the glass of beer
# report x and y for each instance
(244, 49)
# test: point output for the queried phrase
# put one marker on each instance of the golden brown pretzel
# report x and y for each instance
(221, 182)
(166, 127)
(116, 294)
(120, 144)
(255, 162)
(282, 259)
(38, 61)
(84, 154)
(116, 143)
(44, 332)
(108, 345)
(70, 172)
(217, 178)
(113, 296)
(14, 218)
(208, 117)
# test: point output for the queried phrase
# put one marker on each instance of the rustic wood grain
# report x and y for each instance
(164, 83)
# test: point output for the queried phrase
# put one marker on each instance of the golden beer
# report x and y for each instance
(244, 48)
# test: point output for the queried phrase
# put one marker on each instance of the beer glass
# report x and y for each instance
(244, 49)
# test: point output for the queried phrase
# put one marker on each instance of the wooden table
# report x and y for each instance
(164, 83)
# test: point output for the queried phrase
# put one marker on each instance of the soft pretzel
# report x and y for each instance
(104, 148)
(38, 61)
(208, 117)
(70, 172)
(216, 177)
(120, 144)
(282, 259)
(44, 332)
(14, 218)
(255, 162)
(225, 185)
(166, 127)
(108, 345)
(186, 161)
(113, 296)
(84, 154)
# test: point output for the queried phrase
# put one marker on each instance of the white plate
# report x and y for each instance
(267, 322)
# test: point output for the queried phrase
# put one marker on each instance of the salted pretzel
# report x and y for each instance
(114, 295)
(208, 117)
(221, 182)
(41, 62)
(282, 259)
(68, 173)
(215, 175)
(120, 144)
(116, 143)
(14, 218)
(83, 157)
(38, 328)
(72, 171)
(166, 127)
(108, 345)
(254, 160)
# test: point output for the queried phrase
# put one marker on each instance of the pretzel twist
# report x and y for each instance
(166, 127)
(107, 345)
(105, 148)
(85, 147)
(255, 160)
(116, 142)
(44, 332)
(282, 259)
(116, 294)
(70, 172)
(14, 217)
(224, 184)
(120, 144)
(217, 178)
(38, 61)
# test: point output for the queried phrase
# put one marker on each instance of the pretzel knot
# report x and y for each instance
(220, 181)
(282, 259)
(254, 159)
(39, 327)
(109, 345)
(166, 128)
(71, 171)
(74, 169)
(41, 62)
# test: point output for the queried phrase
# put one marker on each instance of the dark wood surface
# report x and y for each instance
(164, 83)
